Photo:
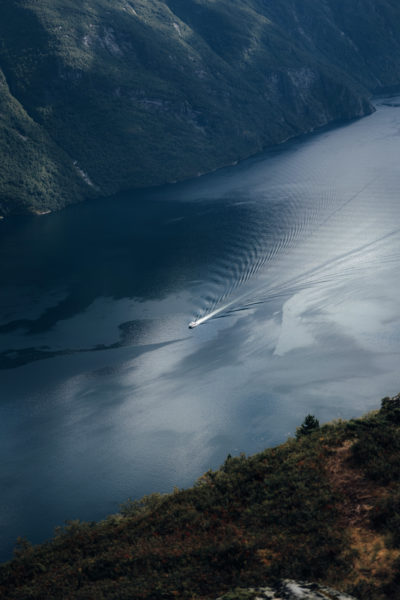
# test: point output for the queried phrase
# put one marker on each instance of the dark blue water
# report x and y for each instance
(105, 392)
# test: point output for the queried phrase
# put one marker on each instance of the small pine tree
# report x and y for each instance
(390, 408)
(309, 425)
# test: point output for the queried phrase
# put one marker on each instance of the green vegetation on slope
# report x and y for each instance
(130, 93)
(33, 169)
(322, 507)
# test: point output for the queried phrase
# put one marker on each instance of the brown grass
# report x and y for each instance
(373, 561)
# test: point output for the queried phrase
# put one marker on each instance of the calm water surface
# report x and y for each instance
(105, 392)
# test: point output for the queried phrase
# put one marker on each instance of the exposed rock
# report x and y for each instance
(287, 590)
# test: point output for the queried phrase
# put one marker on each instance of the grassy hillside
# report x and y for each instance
(113, 94)
(322, 507)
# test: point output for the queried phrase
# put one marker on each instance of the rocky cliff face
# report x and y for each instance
(287, 590)
(101, 96)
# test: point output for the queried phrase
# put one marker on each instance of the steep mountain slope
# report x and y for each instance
(35, 174)
(126, 93)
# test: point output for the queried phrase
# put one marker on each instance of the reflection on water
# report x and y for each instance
(290, 259)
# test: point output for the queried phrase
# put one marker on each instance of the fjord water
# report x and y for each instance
(105, 392)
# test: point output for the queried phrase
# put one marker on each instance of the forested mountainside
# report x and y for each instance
(322, 507)
(103, 95)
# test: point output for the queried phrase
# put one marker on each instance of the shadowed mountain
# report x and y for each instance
(101, 96)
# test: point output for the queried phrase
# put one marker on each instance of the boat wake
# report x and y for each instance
(338, 267)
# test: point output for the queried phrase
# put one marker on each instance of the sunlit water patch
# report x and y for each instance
(290, 262)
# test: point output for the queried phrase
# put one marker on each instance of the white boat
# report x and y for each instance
(193, 324)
